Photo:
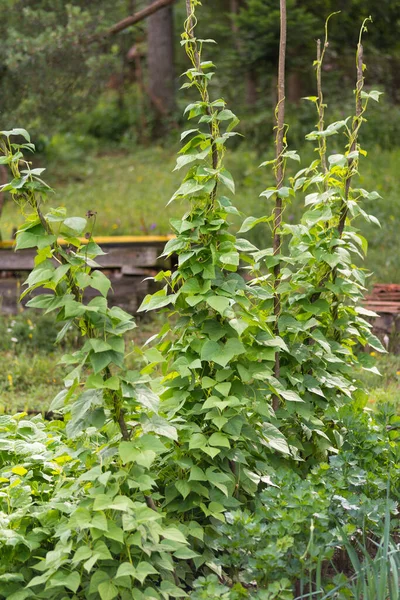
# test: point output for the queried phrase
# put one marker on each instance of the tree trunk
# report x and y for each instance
(294, 85)
(250, 76)
(251, 88)
(160, 60)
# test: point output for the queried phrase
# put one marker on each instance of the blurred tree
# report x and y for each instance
(57, 57)
(160, 60)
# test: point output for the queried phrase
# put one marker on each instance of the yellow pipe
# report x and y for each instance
(110, 239)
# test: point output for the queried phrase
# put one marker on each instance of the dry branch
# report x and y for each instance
(137, 17)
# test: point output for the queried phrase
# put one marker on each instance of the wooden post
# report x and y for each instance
(279, 174)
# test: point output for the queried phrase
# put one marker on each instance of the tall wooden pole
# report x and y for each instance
(279, 172)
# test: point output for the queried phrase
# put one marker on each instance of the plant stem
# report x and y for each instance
(279, 175)
(190, 25)
(356, 125)
(322, 140)
(353, 146)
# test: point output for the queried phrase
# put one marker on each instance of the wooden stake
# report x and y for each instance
(279, 174)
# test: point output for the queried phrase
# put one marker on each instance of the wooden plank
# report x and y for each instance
(126, 292)
(116, 257)
(110, 239)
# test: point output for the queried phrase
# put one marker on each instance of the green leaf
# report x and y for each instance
(197, 440)
(174, 534)
(218, 303)
(183, 487)
(187, 189)
(197, 474)
(143, 570)
(374, 95)
(125, 570)
(185, 554)
(227, 179)
(219, 440)
(99, 521)
(59, 273)
(100, 282)
(275, 439)
(101, 360)
(210, 351)
(230, 258)
(172, 590)
(338, 160)
(19, 131)
(107, 590)
(292, 154)
(77, 224)
(251, 222)
(129, 452)
(72, 581)
(28, 239)
(311, 217)
(332, 129)
(290, 395)
(157, 301)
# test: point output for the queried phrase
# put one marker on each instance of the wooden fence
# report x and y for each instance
(130, 262)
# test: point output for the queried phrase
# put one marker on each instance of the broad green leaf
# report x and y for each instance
(218, 303)
(183, 487)
(220, 440)
(197, 440)
(77, 224)
(100, 282)
(125, 570)
(17, 131)
(172, 590)
(107, 590)
(227, 180)
(174, 534)
(275, 439)
(290, 395)
(251, 222)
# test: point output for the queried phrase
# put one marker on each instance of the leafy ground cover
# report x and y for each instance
(130, 191)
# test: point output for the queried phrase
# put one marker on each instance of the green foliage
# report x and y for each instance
(72, 517)
(161, 476)
(47, 46)
(109, 438)
(300, 521)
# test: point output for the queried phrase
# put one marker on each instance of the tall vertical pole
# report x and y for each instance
(279, 173)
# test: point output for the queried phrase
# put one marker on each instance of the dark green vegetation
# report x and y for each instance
(235, 456)
(69, 48)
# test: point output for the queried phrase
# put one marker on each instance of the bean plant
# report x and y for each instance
(134, 491)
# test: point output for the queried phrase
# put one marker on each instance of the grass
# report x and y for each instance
(386, 387)
(31, 374)
(130, 193)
